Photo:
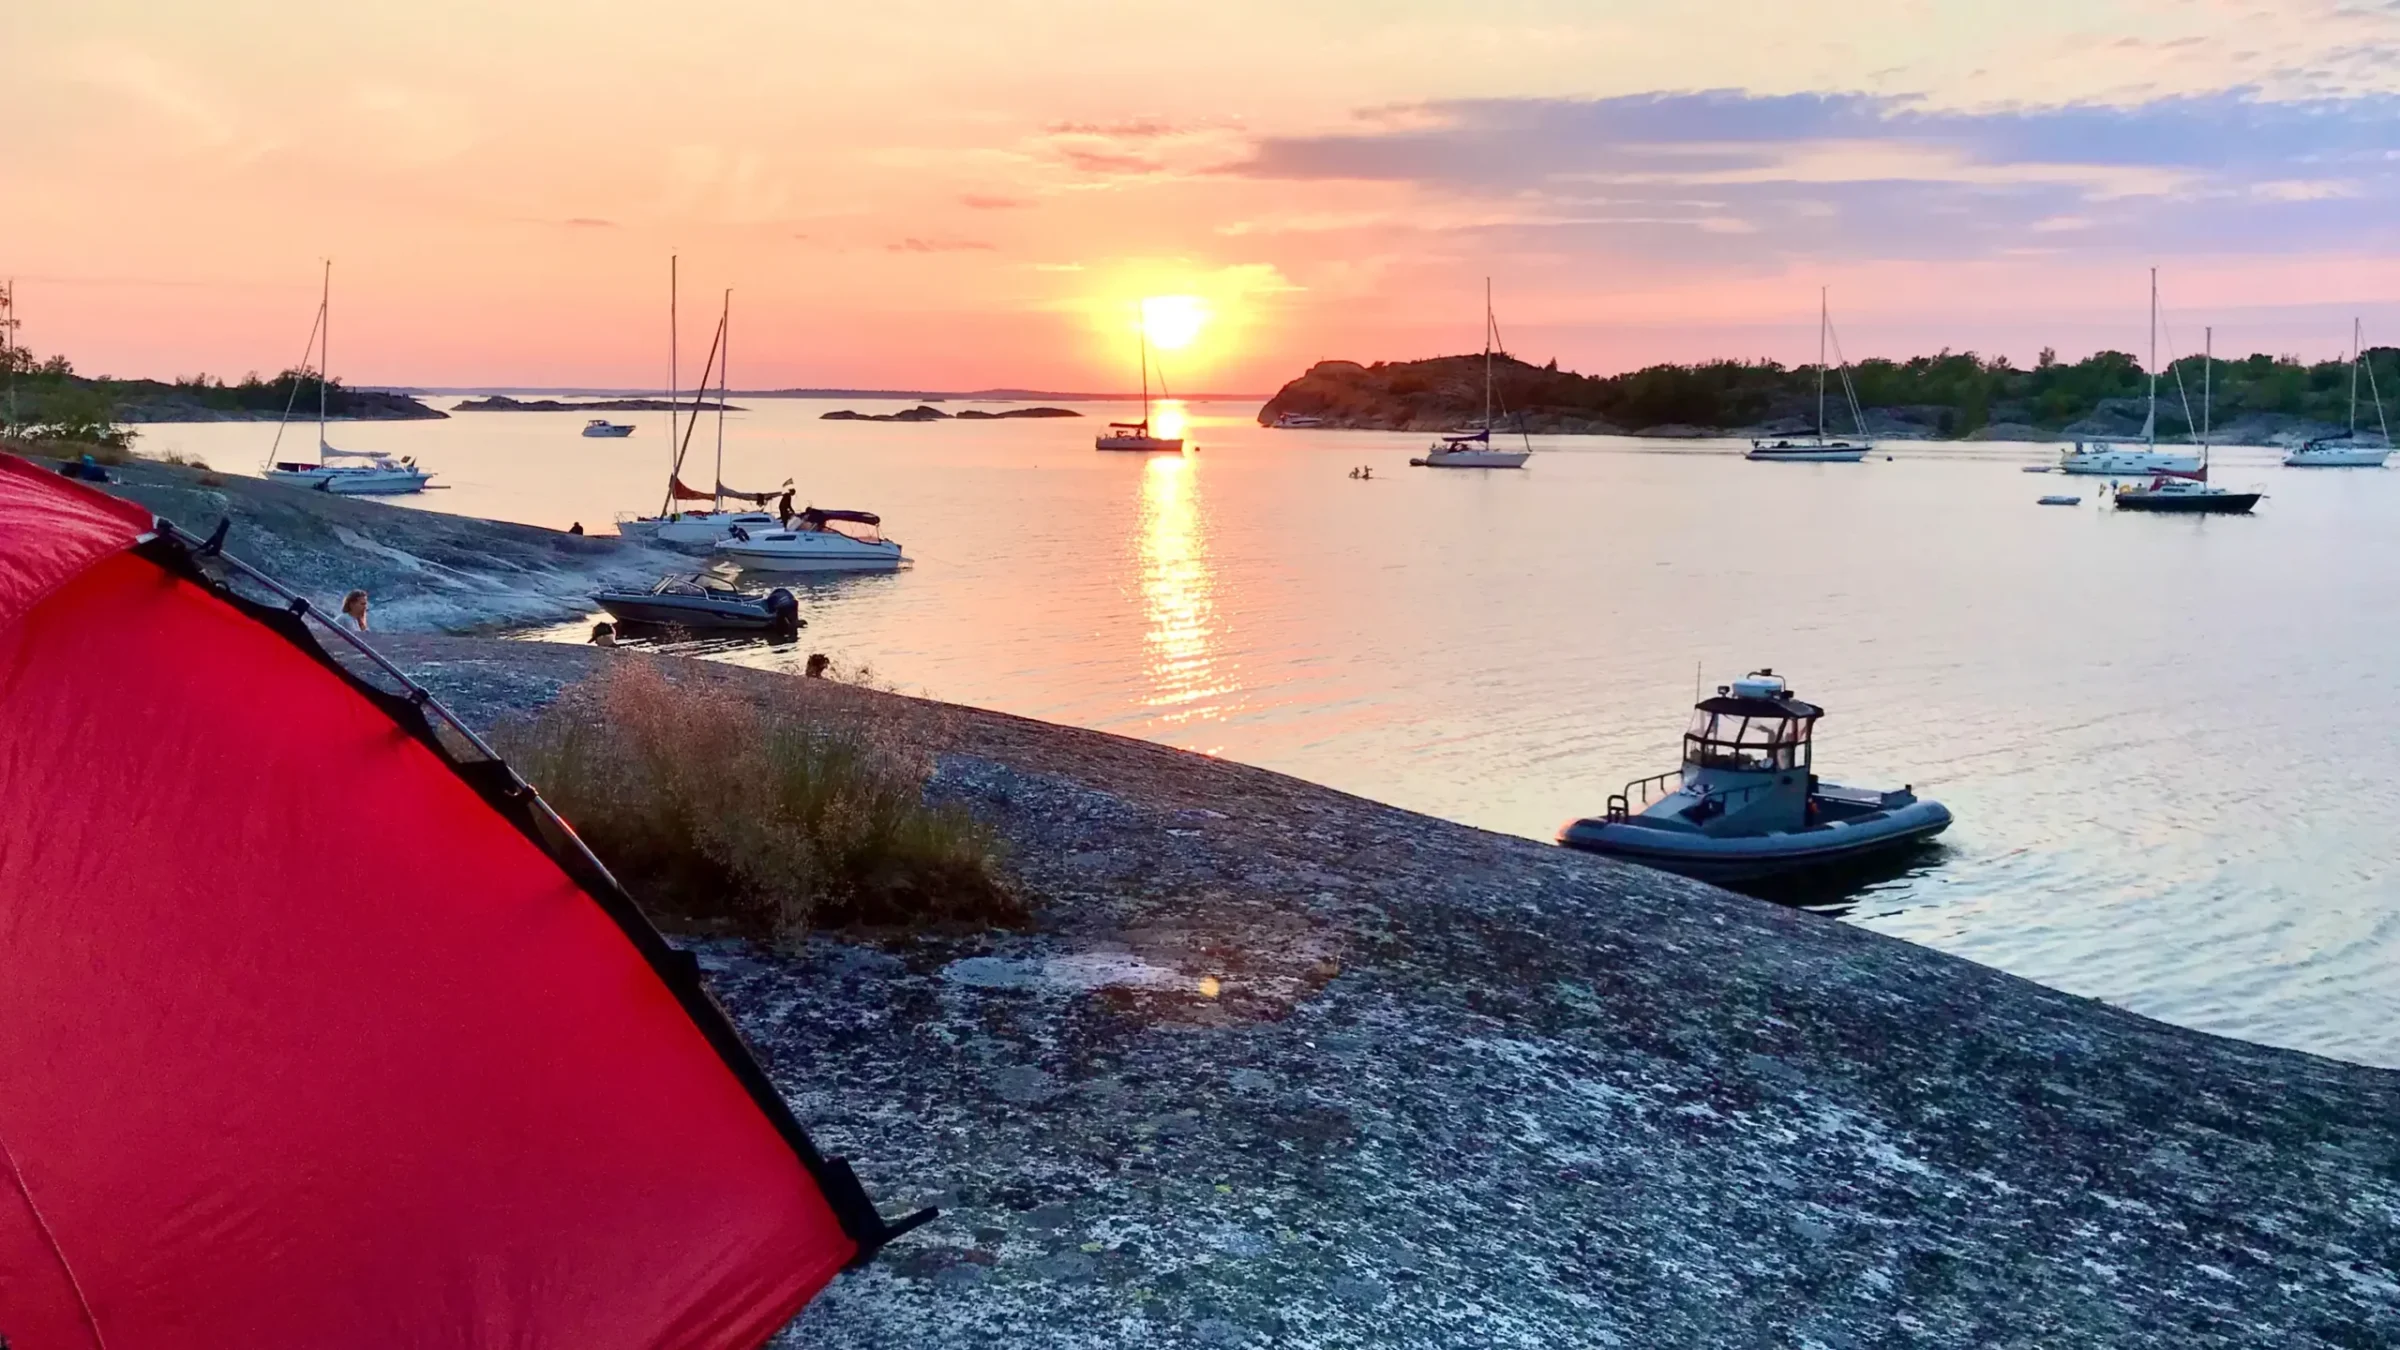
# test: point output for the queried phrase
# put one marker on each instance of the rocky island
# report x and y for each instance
(2260, 400)
(1277, 1066)
(924, 413)
(504, 403)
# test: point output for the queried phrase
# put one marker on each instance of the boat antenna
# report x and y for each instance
(725, 333)
(2354, 355)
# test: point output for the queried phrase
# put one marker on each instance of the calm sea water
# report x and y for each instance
(2172, 744)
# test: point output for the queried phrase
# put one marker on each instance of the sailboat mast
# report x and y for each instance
(2356, 333)
(2208, 374)
(324, 354)
(1142, 334)
(1824, 318)
(674, 363)
(1487, 354)
(2150, 428)
(725, 337)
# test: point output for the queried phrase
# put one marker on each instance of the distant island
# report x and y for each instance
(2258, 399)
(503, 403)
(50, 393)
(921, 413)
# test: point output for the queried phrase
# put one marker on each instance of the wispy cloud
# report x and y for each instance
(589, 223)
(1865, 174)
(914, 244)
(978, 201)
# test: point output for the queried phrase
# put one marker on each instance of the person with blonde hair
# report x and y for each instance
(354, 611)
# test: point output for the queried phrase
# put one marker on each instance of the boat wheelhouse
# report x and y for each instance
(1746, 802)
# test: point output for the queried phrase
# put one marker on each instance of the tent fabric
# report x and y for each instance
(284, 1076)
(52, 529)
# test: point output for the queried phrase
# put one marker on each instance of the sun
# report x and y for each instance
(1173, 322)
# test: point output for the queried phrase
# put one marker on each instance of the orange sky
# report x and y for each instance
(916, 194)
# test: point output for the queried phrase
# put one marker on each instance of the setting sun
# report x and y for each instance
(1173, 321)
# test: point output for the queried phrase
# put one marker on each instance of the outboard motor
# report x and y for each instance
(784, 608)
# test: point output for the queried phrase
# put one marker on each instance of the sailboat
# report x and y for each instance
(703, 527)
(2100, 458)
(1816, 448)
(2347, 451)
(1473, 449)
(373, 472)
(2189, 493)
(1135, 436)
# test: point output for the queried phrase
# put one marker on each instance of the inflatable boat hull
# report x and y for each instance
(1750, 857)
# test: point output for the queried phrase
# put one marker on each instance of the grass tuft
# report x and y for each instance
(721, 815)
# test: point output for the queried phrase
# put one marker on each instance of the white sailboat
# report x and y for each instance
(1817, 449)
(1473, 449)
(2347, 451)
(371, 472)
(1135, 436)
(701, 528)
(2103, 459)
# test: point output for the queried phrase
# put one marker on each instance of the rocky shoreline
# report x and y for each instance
(149, 401)
(504, 403)
(1283, 1067)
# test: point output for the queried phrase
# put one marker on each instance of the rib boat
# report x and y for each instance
(1745, 804)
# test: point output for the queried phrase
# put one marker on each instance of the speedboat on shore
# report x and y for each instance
(1745, 804)
(601, 426)
(815, 540)
(379, 475)
(699, 600)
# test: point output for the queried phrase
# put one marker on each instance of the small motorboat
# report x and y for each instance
(702, 600)
(1297, 422)
(1745, 805)
(2059, 499)
(816, 540)
(2034, 468)
(601, 426)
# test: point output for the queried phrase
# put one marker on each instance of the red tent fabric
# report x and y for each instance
(304, 1042)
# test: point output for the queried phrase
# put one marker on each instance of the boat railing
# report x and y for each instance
(1621, 805)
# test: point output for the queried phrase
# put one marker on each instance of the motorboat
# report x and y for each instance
(1745, 804)
(1297, 422)
(358, 473)
(1136, 436)
(1470, 450)
(2189, 493)
(701, 600)
(2349, 450)
(815, 540)
(601, 426)
(378, 474)
(1817, 447)
(1473, 449)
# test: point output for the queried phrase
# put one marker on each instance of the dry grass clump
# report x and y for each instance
(720, 814)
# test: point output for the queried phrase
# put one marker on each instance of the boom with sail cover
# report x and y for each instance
(427, 1079)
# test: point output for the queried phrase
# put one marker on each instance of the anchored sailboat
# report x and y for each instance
(1473, 449)
(375, 473)
(701, 527)
(1816, 448)
(2347, 451)
(1135, 436)
(2188, 493)
(2104, 459)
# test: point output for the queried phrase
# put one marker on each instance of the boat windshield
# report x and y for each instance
(1724, 740)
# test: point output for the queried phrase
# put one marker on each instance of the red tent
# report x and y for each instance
(316, 1028)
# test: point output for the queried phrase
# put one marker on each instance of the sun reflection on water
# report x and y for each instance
(1178, 596)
